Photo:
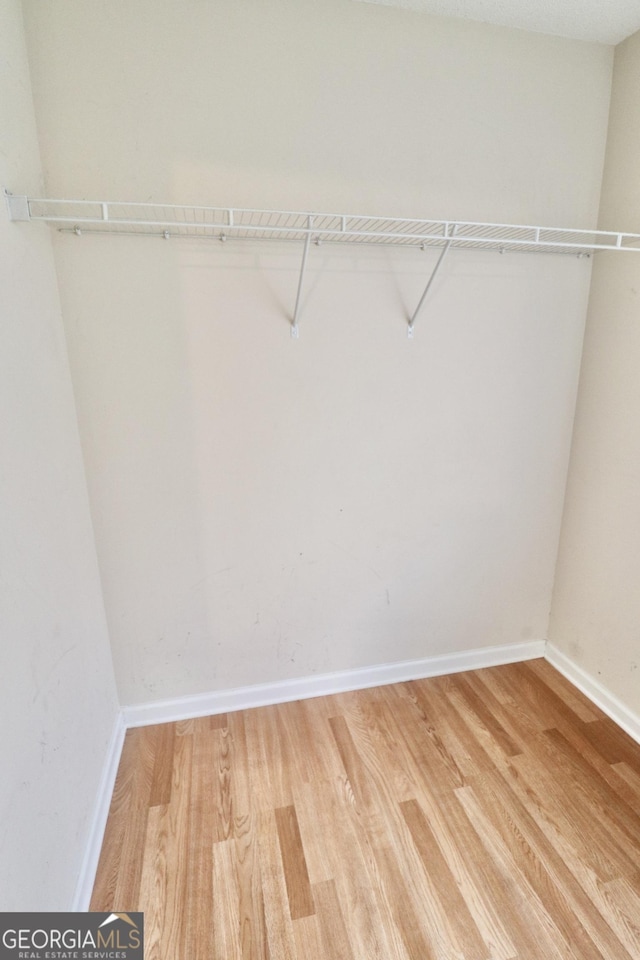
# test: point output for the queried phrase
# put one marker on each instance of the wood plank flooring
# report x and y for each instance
(490, 815)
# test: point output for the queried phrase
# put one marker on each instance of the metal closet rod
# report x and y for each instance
(203, 222)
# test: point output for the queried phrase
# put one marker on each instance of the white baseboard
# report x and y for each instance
(595, 691)
(281, 691)
(86, 878)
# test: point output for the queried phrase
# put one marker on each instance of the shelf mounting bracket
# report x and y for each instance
(295, 330)
(17, 207)
(443, 253)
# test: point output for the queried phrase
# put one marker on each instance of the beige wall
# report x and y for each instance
(596, 609)
(296, 104)
(266, 508)
(57, 701)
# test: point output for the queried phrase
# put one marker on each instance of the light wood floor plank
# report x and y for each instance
(446, 731)
(625, 902)
(541, 697)
(579, 737)
(567, 901)
(166, 870)
(599, 790)
(356, 873)
(278, 922)
(121, 862)
(570, 825)
(243, 768)
(225, 904)
(609, 816)
(572, 697)
(632, 778)
(541, 868)
(308, 937)
(335, 941)
(162, 776)
(466, 931)
(294, 865)
(531, 925)
(254, 944)
(482, 716)
(153, 882)
(208, 823)
(516, 722)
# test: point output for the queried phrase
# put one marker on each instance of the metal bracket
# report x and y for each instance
(444, 252)
(295, 331)
(17, 207)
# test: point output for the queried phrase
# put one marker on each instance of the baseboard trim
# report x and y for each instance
(282, 691)
(87, 875)
(595, 691)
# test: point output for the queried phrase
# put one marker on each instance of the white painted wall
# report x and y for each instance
(266, 508)
(57, 699)
(596, 609)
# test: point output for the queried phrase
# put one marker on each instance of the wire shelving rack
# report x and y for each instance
(226, 223)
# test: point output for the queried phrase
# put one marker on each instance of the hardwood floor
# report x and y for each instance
(491, 814)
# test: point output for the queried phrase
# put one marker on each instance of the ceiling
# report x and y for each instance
(602, 21)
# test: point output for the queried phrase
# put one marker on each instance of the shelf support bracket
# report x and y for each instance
(443, 253)
(295, 331)
(17, 207)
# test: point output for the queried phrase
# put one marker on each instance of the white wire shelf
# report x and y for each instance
(222, 223)
(170, 220)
